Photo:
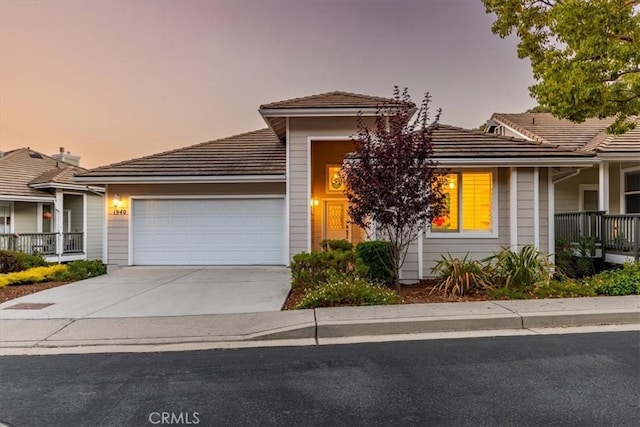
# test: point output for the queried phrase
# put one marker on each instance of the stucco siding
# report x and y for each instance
(95, 217)
(118, 225)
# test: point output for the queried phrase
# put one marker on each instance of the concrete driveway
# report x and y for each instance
(158, 291)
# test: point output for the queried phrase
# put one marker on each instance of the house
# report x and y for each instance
(263, 196)
(601, 201)
(43, 210)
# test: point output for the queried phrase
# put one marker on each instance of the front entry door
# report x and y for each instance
(336, 224)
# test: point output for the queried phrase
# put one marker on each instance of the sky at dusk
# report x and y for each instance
(114, 80)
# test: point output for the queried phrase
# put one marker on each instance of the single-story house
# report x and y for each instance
(44, 210)
(600, 200)
(263, 196)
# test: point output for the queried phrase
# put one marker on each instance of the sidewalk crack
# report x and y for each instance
(512, 311)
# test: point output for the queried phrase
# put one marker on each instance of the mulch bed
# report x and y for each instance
(415, 293)
(16, 291)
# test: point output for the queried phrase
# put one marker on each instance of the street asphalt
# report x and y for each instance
(568, 380)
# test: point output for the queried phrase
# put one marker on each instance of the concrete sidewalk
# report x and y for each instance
(314, 326)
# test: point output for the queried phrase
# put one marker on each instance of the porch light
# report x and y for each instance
(314, 202)
(116, 201)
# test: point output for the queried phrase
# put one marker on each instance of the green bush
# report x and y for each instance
(348, 291)
(564, 289)
(506, 293)
(460, 276)
(378, 258)
(308, 270)
(83, 269)
(11, 261)
(336, 245)
(568, 265)
(520, 270)
(622, 281)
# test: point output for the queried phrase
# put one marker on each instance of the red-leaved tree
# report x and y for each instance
(393, 183)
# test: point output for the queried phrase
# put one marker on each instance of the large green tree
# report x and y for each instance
(585, 54)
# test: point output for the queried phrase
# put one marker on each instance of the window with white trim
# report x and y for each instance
(5, 218)
(632, 192)
(469, 199)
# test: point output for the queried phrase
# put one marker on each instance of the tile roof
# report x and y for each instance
(21, 167)
(628, 142)
(455, 142)
(544, 127)
(335, 99)
(253, 153)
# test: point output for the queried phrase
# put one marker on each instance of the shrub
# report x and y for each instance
(564, 289)
(568, 265)
(378, 258)
(83, 269)
(336, 245)
(506, 293)
(520, 270)
(623, 281)
(33, 275)
(11, 261)
(345, 290)
(460, 276)
(311, 269)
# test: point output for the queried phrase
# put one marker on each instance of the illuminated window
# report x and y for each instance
(468, 203)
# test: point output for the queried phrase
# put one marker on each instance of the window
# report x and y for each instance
(5, 218)
(632, 192)
(588, 197)
(468, 204)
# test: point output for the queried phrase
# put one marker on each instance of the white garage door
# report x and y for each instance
(208, 232)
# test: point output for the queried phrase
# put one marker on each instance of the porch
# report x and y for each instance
(616, 237)
(65, 246)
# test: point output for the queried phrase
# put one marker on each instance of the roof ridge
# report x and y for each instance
(21, 149)
(163, 153)
(382, 99)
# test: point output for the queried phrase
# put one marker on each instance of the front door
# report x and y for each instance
(336, 224)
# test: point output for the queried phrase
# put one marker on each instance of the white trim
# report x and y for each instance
(529, 162)
(84, 225)
(586, 187)
(105, 226)
(308, 198)
(317, 112)
(603, 186)
(12, 215)
(287, 198)
(420, 254)
(513, 209)
(26, 199)
(495, 217)
(65, 258)
(504, 125)
(130, 231)
(67, 187)
(623, 181)
(536, 208)
(222, 179)
(58, 207)
(39, 217)
(551, 215)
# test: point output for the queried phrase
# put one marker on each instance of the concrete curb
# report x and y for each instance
(310, 326)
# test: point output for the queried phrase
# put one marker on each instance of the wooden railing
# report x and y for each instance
(42, 243)
(621, 234)
(573, 226)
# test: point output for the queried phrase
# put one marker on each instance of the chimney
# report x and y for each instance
(67, 157)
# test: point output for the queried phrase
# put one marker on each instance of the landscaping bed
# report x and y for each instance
(16, 291)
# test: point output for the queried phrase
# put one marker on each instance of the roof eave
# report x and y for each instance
(205, 179)
(514, 161)
(63, 186)
(318, 112)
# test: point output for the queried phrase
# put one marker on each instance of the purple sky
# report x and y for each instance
(113, 80)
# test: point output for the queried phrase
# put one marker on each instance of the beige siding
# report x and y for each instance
(544, 212)
(477, 248)
(26, 217)
(525, 207)
(118, 225)
(74, 204)
(567, 192)
(614, 187)
(95, 217)
(300, 130)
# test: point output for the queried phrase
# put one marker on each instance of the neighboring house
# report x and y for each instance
(261, 197)
(605, 196)
(43, 210)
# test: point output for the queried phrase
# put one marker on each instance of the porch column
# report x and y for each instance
(603, 186)
(58, 206)
(551, 212)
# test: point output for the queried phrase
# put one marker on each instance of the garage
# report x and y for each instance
(221, 231)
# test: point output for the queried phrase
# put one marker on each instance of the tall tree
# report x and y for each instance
(585, 54)
(392, 179)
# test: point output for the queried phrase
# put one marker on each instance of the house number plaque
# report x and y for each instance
(119, 211)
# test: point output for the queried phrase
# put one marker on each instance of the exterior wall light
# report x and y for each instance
(116, 201)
